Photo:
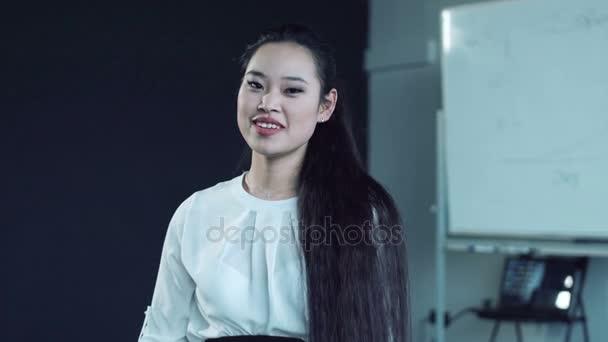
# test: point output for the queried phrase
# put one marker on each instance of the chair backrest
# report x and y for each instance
(548, 286)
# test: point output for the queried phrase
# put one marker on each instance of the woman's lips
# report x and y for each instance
(266, 131)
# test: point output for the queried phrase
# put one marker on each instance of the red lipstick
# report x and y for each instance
(267, 131)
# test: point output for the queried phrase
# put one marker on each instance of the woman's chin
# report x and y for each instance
(269, 150)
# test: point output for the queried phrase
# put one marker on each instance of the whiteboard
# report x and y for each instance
(525, 96)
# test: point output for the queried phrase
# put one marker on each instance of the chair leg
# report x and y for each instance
(584, 320)
(520, 337)
(495, 331)
(568, 332)
(585, 330)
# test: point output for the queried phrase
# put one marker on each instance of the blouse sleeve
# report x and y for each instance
(166, 318)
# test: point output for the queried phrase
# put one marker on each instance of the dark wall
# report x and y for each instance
(112, 115)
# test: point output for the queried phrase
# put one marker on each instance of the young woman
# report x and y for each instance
(304, 245)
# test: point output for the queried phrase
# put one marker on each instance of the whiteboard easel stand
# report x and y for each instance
(441, 229)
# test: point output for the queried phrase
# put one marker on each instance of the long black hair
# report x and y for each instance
(352, 238)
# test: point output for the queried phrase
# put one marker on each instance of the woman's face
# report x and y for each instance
(281, 85)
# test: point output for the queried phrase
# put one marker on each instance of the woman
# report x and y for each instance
(305, 245)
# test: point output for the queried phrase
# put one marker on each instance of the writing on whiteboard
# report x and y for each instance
(591, 19)
(561, 23)
(566, 178)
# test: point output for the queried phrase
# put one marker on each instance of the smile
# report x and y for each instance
(267, 125)
(267, 129)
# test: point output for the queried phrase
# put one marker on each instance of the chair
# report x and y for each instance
(541, 290)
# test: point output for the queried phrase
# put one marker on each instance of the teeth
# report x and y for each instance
(267, 125)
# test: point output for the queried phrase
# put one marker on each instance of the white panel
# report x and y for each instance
(525, 91)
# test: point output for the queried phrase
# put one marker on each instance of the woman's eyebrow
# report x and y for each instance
(262, 75)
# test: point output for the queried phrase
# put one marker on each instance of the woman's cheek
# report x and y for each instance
(306, 128)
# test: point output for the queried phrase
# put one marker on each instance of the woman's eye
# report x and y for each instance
(254, 85)
(293, 90)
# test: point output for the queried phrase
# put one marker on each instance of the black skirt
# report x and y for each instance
(254, 338)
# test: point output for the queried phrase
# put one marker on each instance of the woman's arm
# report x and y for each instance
(167, 316)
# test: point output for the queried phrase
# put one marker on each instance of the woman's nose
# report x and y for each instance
(270, 102)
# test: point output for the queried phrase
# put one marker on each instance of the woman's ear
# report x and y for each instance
(327, 105)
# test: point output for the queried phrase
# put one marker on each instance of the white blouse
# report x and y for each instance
(230, 265)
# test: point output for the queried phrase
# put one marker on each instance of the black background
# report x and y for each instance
(112, 114)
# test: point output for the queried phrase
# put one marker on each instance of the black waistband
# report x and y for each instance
(254, 338)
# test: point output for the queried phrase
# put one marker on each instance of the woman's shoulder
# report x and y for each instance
(213, 194)
(219, 188)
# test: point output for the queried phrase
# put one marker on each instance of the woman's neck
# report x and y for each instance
(273, 178)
